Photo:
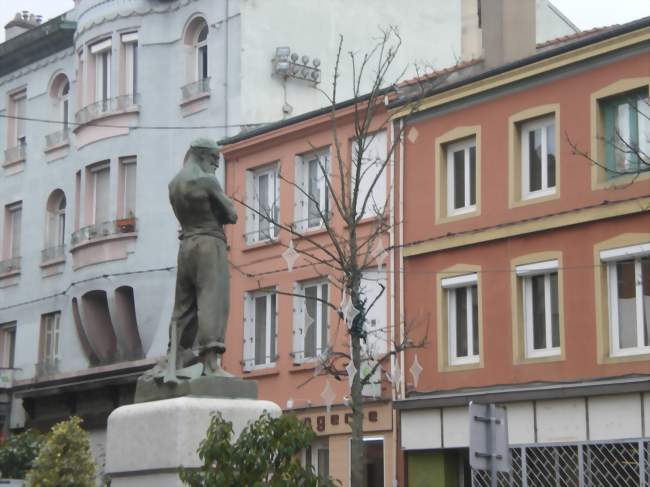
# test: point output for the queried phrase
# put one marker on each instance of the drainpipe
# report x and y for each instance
(226, 72)
(400, 243)
(391, 301)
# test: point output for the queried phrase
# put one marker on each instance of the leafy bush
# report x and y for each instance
(18, 452)
(264, 455)
(64, 459)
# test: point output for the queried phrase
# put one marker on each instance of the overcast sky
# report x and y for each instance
(586, 14)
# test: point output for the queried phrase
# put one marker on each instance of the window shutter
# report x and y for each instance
(276, 201)
(299, 203)
(609, 115)
(250, 202)
(249, 333)
(298, 325)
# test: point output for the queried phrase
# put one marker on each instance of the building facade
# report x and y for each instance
(525, 201)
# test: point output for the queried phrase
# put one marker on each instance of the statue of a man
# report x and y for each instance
(202, 281)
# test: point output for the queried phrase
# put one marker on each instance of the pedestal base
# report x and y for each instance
(149, 442)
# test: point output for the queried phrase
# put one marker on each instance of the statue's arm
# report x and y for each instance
(223, 204)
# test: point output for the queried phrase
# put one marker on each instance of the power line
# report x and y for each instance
(134, 127)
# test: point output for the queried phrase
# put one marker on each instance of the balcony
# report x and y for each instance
(47, 367)
(57, 139)
(53, 254)
(104, 230)
(195, 90)
(10, 266)
(104, 108)
(14, 155)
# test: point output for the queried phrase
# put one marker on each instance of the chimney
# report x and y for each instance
(21, 22)
(508, 30)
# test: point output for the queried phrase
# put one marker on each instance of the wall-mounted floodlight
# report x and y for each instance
(286, 64)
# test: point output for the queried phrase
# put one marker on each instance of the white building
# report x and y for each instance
(97, 108)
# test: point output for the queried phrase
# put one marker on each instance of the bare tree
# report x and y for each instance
(356, 221)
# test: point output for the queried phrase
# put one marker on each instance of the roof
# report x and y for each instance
(37, 43)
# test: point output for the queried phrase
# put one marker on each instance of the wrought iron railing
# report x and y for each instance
(10, 265)
(15, 154)
(102, 108)
(47, 367)
(57, 138)
(53, 253)
(196, 88)
(105, 229)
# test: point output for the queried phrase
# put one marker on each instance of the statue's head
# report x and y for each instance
(206, 154)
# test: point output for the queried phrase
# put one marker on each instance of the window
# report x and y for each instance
(538, 157)
(462, 318)
(128, 169)
(55, 225)
(311, 328)
(373, 286)
(312, 193)
(16, 124)
(202, 54)
(7, 345)
(372, 180)
(49, 348)
(130, 66)
(373, 459)
(461, 177)
(540, 307)
(317, 456)
(626, 129)
(100, 187)
(260, 332)
(101, 53)
(64, 99)
(628, 278)
(19, 101)
(14, 216)
(263, 200)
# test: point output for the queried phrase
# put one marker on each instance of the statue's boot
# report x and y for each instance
(212, 364)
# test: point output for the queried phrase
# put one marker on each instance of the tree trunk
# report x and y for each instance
(357, 470)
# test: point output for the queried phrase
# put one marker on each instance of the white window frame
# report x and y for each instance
(302, 201)
(128, 164)
(300, 320)
(311, 457)
(200, 47)
(14, 237)
(64, 99)
(51, 323)
(130, 42)
(249, 359)
(7, 345)
(100, 51)
(19, 102)
(56, 224)
(526, 272)
(453, 285)
(94, 171)
(611, 257)
(374, 158)
(543, 124)
(253, 218)
(464, 145)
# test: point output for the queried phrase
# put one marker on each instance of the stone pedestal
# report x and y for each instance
(148, 442)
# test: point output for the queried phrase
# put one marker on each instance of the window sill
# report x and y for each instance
(101, 240)
(105, 116)
(55, 147)
(11, 273)
(556, 357)
(194, 98)
(261, 245)
(459, 216)
(462, 366)
(262, 371)
(52, 262)
(534, 199)
(307, 365)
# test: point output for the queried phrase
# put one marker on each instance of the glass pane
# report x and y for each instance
(374, 458)
(16, 224)
(324, 463)
(459, 179)
(621, 136)
(461, 322)
(643, 124)
(645, 279)
(626, 291)
(263, 205)
(324, 330)
(474, 293)
(273, 344)
(555, 312)
(472, 175)
(550, 162)
(129, 189)
(538, 312)
(310, 321)
(313, 190)
(260, 330)
(535, 160)
(203, 35)
(102, 196)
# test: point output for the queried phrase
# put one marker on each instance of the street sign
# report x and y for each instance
(488, 438)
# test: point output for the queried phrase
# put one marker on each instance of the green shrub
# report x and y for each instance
(64, 459)
(18, 452)
(264, 455)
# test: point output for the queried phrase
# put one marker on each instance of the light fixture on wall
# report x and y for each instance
(291, 65)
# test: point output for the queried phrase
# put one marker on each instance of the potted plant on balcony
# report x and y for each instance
(126, 225)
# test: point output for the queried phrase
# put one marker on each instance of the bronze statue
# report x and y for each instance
(202, 281)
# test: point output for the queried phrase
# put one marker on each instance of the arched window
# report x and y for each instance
(65, 103)
(59, 92)
(195, 39)
(202, 53)
(55, 224)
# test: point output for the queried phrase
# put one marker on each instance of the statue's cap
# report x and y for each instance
(204, 143)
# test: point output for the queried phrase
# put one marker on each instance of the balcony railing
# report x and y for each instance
(10, 265)
(192, 90)
(57, 138)
(102, 108)
(15, 154)
(53, 253)
(47, 367)
(105, 229)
